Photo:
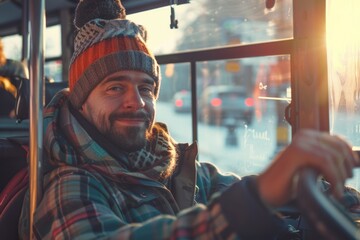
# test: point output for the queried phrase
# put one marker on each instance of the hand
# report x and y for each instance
(330, 155)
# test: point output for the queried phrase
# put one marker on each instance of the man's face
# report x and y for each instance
(122, 107)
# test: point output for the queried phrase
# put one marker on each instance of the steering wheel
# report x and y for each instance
(323, 212)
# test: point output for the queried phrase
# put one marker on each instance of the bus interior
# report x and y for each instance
(238, 78)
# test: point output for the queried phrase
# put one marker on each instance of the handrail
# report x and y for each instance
(37, 26)
(324, 213)
(25, 33)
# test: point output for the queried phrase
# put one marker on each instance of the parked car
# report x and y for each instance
(182, 102)
(220, 105)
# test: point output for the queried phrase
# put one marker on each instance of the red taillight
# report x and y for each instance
(179, 103)
(249, 102)
(216, 102)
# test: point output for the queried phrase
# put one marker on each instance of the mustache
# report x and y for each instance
(138, 115)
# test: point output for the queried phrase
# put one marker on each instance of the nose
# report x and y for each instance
(133, 99)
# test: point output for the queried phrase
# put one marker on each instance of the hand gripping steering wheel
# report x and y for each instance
(323, 212)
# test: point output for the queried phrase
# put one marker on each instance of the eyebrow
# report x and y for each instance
(146, 80)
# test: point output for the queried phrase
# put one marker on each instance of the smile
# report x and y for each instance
(138, 122)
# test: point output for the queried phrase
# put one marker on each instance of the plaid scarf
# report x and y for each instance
(68, 143)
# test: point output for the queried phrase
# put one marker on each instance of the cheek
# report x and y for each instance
(102, 104)
(95, 110)
(150, 105)
(150, 108)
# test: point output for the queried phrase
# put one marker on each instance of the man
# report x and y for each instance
(111, 172)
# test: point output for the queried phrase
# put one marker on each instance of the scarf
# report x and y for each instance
(68, 143)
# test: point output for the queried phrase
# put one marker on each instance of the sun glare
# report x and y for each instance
(342, 18)
(343, 45)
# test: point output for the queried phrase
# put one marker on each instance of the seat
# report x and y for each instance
(14, 70)
(18, 73)
(11, 200)
(12, 158)
(7, 103)
(14, 181)
(14, 178)
(23, 97)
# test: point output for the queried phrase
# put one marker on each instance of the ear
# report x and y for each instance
(81, 109)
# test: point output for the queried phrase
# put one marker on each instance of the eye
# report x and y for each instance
(115, 88)
(147, 89)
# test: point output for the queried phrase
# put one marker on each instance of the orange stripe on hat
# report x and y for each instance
(101, 49)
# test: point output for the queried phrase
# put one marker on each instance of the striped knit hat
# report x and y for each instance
(105, 45)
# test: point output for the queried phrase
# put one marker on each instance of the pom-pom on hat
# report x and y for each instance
(106, 43)
(88, 10)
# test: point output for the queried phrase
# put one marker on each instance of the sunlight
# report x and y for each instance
(161, 38)
(343, 44)
(342, 16)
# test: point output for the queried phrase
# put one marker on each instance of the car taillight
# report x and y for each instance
(179, 103)
(216, 102)
(249, 102)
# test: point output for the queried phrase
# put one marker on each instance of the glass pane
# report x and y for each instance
(174, 103)
(13, 44)
(53, 71)
(241, 105)
(53, 42)
(343, 44)
(208, 23)
(12, 47)
(241, 112)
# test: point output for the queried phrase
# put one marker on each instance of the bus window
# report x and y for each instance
(204, 24)
(240, 109)
(53, 42)
(343, 45)
(174, 103)
(53, 71)
(12, 46)
(241, 112)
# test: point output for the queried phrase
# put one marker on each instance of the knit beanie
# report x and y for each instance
(106, 43)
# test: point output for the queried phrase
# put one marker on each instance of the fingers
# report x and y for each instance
(351, 158)
(343, 155)
(334, 158)
(331, 155)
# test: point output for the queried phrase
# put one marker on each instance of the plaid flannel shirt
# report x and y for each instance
(80, 204)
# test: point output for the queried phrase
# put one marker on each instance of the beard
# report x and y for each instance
(128, 139)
